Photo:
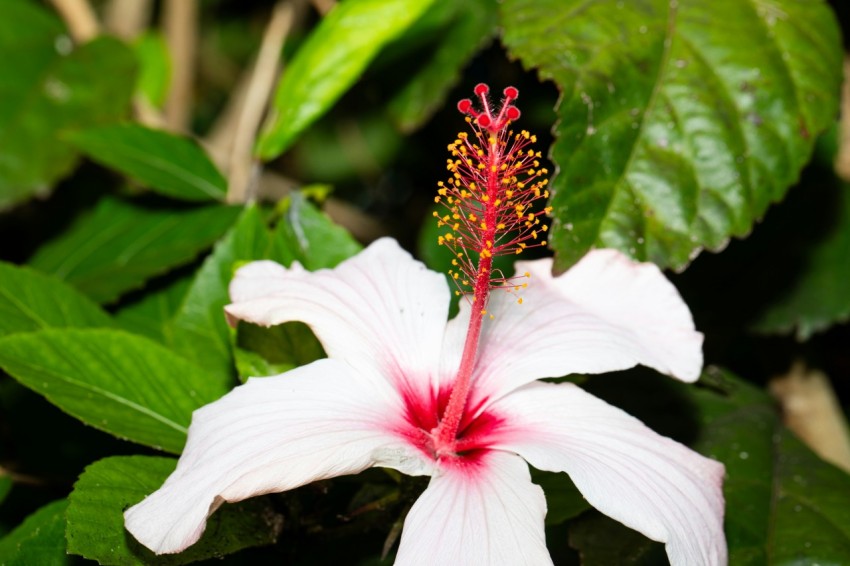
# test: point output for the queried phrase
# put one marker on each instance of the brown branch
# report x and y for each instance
(323, 6)
(842, 160)
(79, 17)
(127, 18)
(813, 413)
(180, 24)
(241, 163)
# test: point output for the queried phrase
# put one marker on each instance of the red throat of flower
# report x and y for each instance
(488, 211)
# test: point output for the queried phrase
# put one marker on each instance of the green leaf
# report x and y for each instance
(152, 313)
(262, 352)
(563, 499)
(40, 539)
(154, 67)
(107, 487)
(122, 244)
(47, 86)
(30, 300)
(307, 235)
(603, 541)
(198, 329)
(5, 484)
(169, 164)
(820, 295)
(462, 29)
(330, 61)
(680, 122)
(782, 503)
(120, 383)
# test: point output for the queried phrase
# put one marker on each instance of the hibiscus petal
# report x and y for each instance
(379, 311)
(484, 513)
(648, 482)
(270, 435)
(607, 313)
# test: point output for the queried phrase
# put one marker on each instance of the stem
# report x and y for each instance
(80, 18)
(180, 22)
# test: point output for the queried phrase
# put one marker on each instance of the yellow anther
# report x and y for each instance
(545, 228)
(526, 274)
(436, 199)
(500, 226)
(493, 168)
(519, 301)
(534, 234)
(483, 225)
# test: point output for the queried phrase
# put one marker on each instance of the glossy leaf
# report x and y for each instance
(680, 122)
(30, 300)
(47, 86)
(107, 487)
(307, 235)
(461, 30)
(169, 164)
(120, 383)
(198, 329)
(781, 498)
(39, 539)
(121, 244)
(330, 61)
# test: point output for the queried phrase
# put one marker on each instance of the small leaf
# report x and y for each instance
(307, 235)
(602, 541)
(262, 352)
(462, 29)
(108, 487)
(154, 67)
(121, 244)
(169, 164)
(198, 329)
(30, 300)
(563, 499)
(50, 86)
(120, 383)
(330, 61)
(680, 122)
(40, 539)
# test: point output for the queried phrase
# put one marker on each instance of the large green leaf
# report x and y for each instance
(680, 122)
(117, 382)
(121, 244)
(784, 504)
(151, 314)
(330, 61)
(167, 163)
(198, 329)
(39, 540)
(96, 516)
(461, 29)
(47, 86)
(30, 300)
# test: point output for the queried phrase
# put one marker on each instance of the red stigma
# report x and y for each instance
(486, 117)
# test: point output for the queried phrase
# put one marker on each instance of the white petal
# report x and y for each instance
(648, 482)
(380, 311)
(270, 435)
(487, 514)
(607, 313)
